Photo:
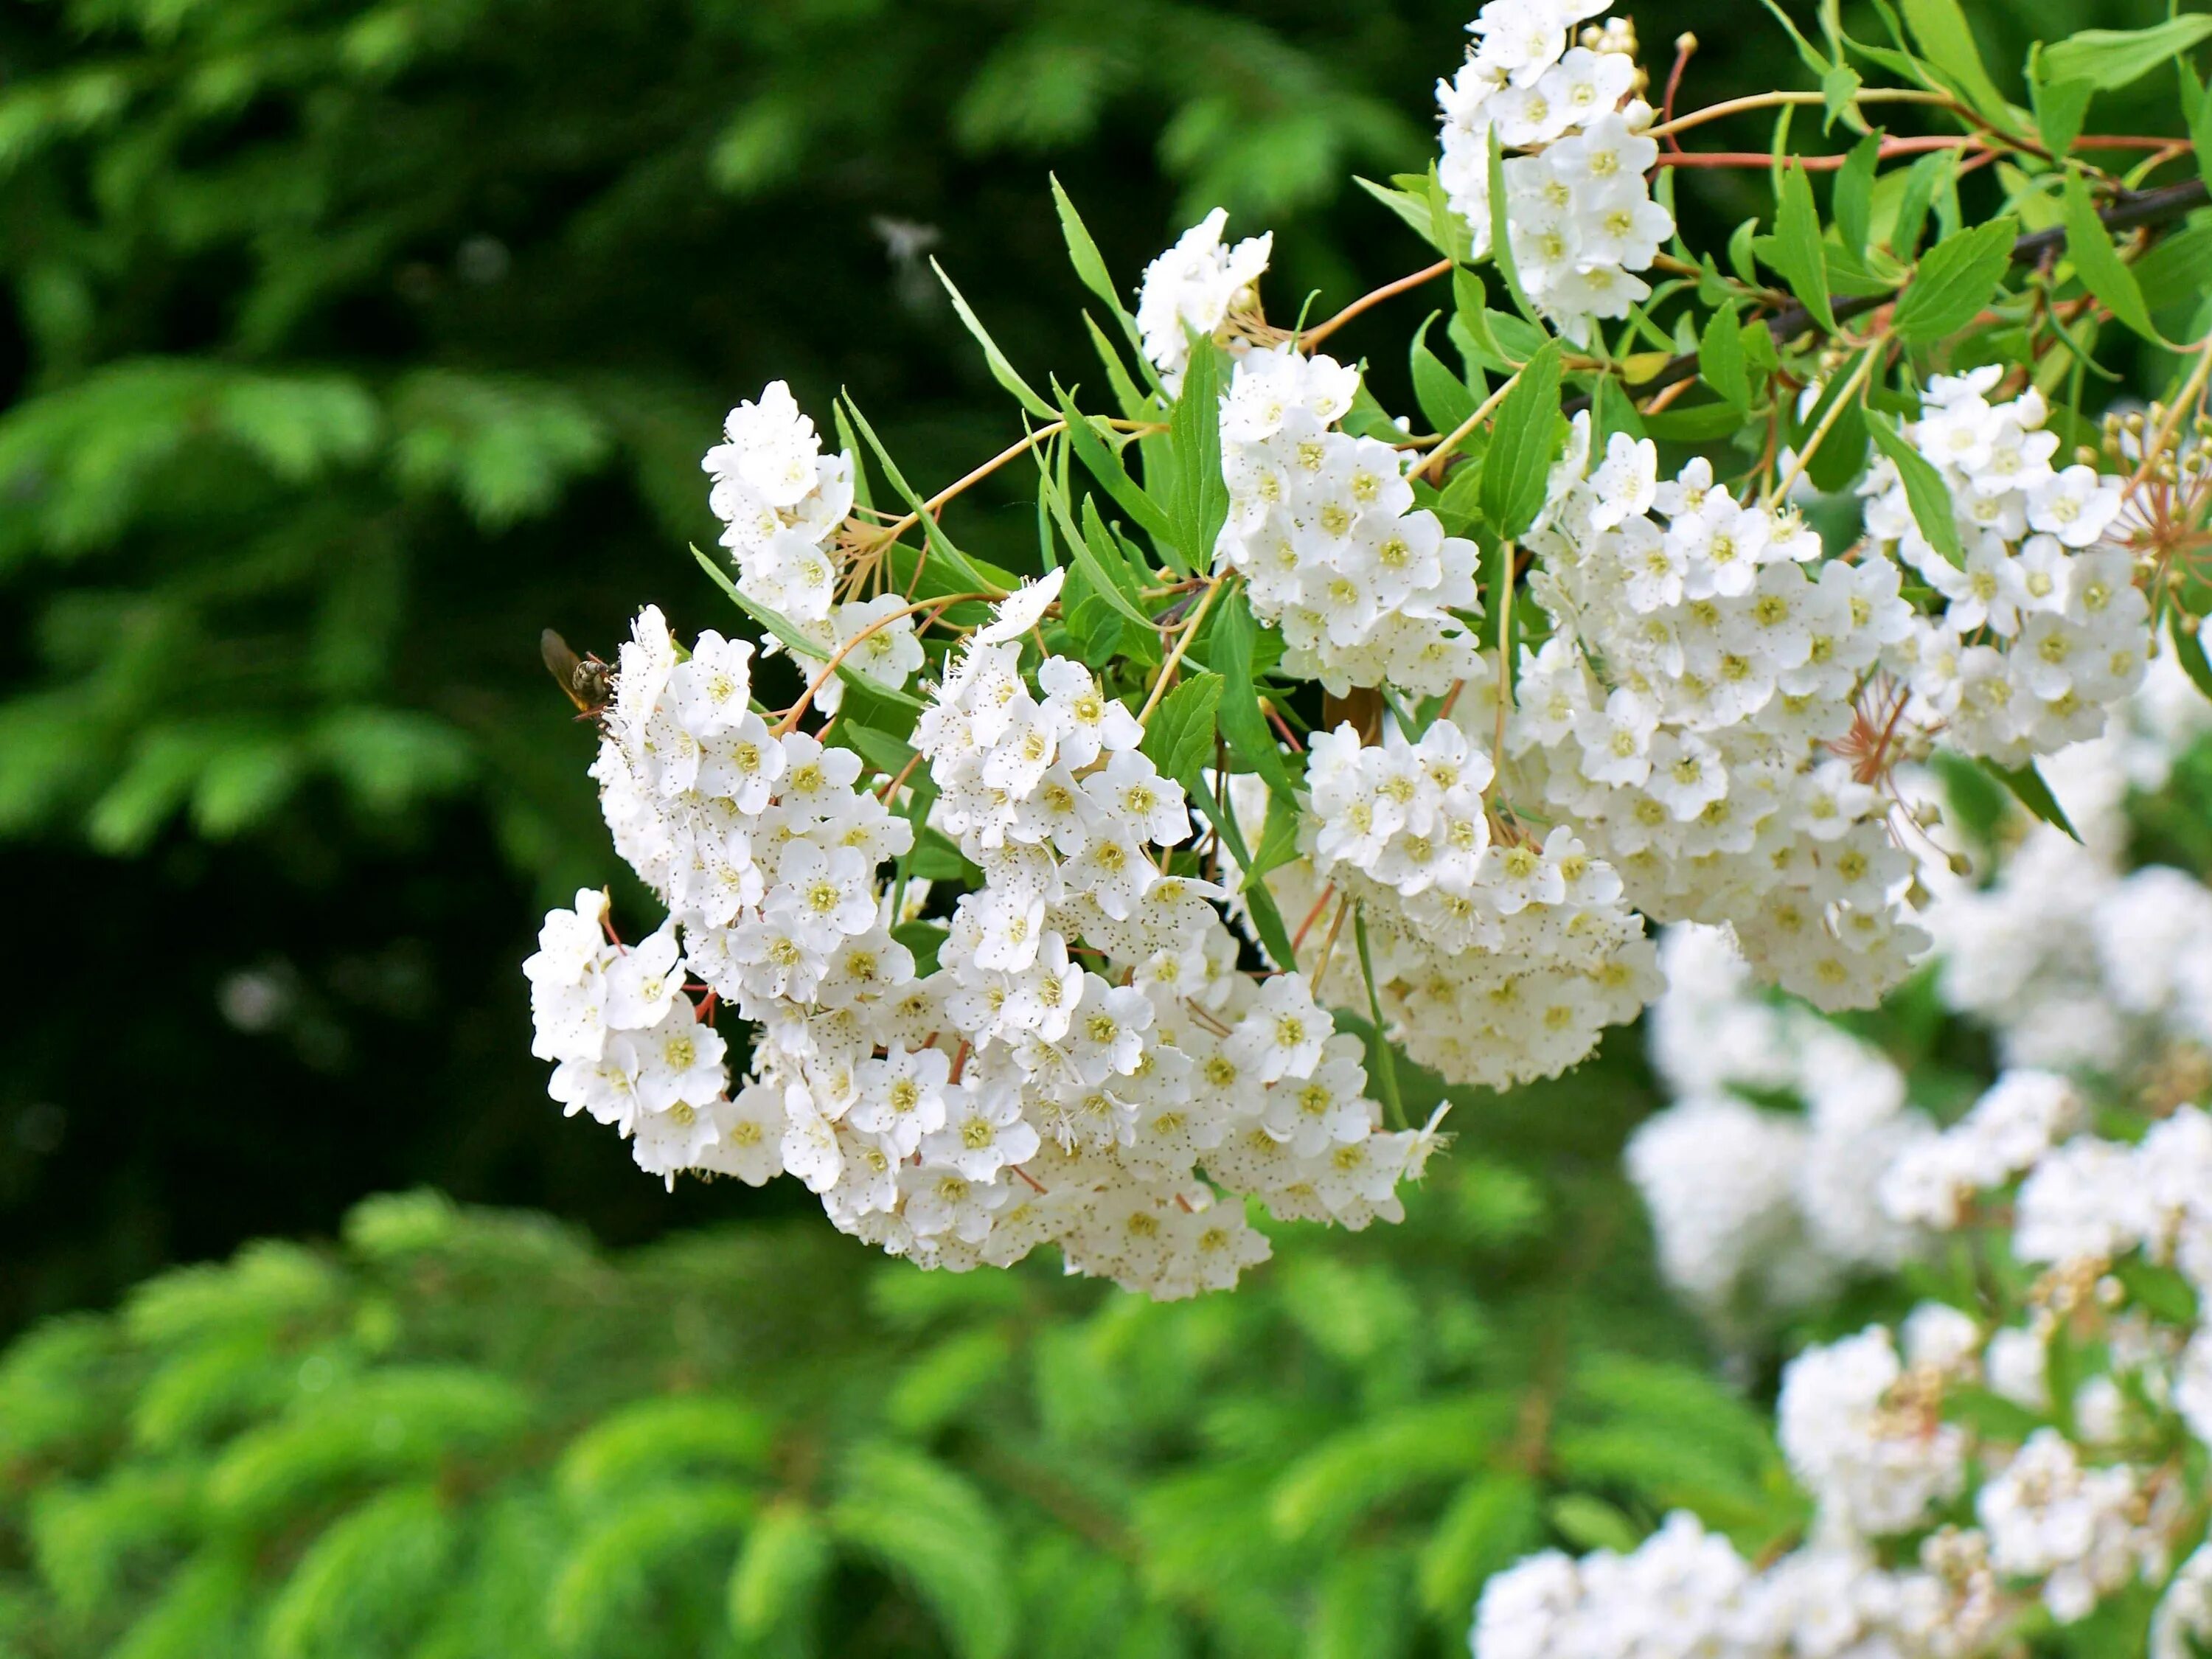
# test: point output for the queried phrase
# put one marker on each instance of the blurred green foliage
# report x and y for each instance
(469, 1433)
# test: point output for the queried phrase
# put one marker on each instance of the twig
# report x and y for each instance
(1313, 336)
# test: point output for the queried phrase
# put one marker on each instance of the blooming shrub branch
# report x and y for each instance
(1097, 906)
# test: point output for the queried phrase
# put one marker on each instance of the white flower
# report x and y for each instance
(1023, 608)
(1194, 286)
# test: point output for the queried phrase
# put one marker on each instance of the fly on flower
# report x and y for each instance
(588, 681)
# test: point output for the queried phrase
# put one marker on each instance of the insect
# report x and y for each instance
(588, 681)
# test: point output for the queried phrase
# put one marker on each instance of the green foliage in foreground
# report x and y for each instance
(467, 1435)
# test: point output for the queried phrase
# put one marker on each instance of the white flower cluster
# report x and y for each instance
(2042, 629)
(2075, 963)
(1758, 1210)
(1578, 212)
(631, 1048)
(1098, 1000)
(1366, 587)
(2061, 1515)
(1194, 288)
(2086, 1500)
(1086, 1066)
(1686, 1592)
(781, 502)
(1686, 715)
(2074, 967)
(1495, 960)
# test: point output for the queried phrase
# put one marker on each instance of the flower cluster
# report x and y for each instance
(1086, 1064)
(1195, 288)
(1494, 960)
(2042, 628)
(1098, 996)
(2073, 966)
(1758, 1210)
(2080, 1502)
(1366, 587)
(1578, 212)
(1686, 713)
(1940, 1528)
(782, 502)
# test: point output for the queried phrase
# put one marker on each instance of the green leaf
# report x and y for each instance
(933, 1529)
(1795, 249)
(1923, 180)
(1591, 1523)
(2060, 107)
(2097, 262)
(1740, 251)
(1854, 194)
(1697, 424)
(1415, 210)
(1103, 464)
(2110, 58)
(2199, 120)
(941, 548)
(1179, 736)
(1954, 282)
(1445, 401)
(1720, 357)
(1838, 85)
(1083, 252)
(1251, 739)
(1002, 371)
(2172, 272)
(1200, 504)
(1489, 1524)
(1925, 489)
(1524, 441)
(2029, 789)
(1940, 27)
(780, 1571)
(1278, 839)
(2189, 652)
(1501, 241)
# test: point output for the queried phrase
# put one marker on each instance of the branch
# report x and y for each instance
(2131, 211)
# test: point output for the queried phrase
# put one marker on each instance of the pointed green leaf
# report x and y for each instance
(1103, 464)
(2030, 790)
(2060, 107)
(1179, 736)
(2189, 652)
(1200, 503)
(1854, 196)
(1501, 241)
(1940, 27)
(1524, 441)
(1251, 739)
(1925, 489)
(1720, 357)
(1002, 371)
(941, 548)
(1083, 252)
(2110, 58)
(2098, 263)
(1444, 398)
(1954, 282)
(1795, 249)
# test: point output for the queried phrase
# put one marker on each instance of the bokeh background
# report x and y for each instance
(343, 346)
